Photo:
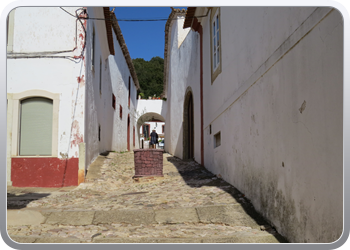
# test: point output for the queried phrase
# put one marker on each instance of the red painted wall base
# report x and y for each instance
(44, 172)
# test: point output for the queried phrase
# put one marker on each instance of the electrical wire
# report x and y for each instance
(46, 54)
(133, 20)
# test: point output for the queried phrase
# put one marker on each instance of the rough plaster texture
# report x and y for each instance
(183, 74)
(114, 80)
(41, 31)
(84, 106)
(46, 73)
(120, 75)
(278, 106)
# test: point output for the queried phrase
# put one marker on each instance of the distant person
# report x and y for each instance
(154, 138)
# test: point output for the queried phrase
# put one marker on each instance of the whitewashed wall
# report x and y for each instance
(285, 156)
(115, 79)
(119, 75)
(46, 30)
(97, 112)
(183, 73)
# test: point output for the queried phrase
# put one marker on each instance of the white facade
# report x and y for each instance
(36, 67)
(183, 76)
(115, 78)
(58, 76)
(79, 65)
(277, 104)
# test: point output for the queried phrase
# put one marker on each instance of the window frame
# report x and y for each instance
(217, 139)
(15, 99)
(10, 30)
(215, 15)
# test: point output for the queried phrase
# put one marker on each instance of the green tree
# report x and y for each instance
(150, 75)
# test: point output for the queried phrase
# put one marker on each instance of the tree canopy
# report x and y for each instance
(150, 75)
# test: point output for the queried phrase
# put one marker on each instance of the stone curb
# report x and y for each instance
(233, 239)
(227, 214)
(32, 239)
(267, 238)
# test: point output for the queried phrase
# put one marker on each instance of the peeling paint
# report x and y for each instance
(81, 80)
(77, 137)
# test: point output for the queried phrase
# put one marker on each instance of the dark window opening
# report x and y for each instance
(120, 112)
(217, 140)
(113, 100)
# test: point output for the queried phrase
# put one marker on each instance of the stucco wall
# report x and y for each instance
(97, 113)
(278, 107)
(120, 83)
(183, 74)
(114, 80)
(36, 30)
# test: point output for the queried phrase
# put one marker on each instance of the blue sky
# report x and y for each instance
(143, 39)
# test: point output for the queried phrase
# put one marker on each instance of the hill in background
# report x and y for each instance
(150, 76)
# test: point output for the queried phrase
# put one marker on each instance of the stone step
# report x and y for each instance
(234, 215)
(118, 233)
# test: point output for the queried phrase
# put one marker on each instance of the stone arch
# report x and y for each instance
(188, 126)
(149, 116)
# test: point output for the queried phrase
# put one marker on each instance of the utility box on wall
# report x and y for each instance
(148, 162)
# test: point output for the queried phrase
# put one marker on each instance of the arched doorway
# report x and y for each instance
(188, 127)
(146, 123)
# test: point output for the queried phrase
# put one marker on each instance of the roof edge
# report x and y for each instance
(107, 15)
(124, 48)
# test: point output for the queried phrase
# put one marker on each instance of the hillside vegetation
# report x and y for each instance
(150, 76)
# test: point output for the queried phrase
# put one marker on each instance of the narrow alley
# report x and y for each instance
(188, 204)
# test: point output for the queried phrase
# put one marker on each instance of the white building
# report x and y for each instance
(151, 115)
(60, 93)
(255, 95)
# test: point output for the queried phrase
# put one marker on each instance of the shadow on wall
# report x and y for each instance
(196, 172)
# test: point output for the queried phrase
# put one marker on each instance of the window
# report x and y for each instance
(146, 131)
(99, 132)
(133, 134)
(215, 41)
(36, 126)
(217, 140)
(113, 101)
(35, 117)
(120, 112)
(163, 129)
(210, 129)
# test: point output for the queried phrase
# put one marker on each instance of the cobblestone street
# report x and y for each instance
(188, 204)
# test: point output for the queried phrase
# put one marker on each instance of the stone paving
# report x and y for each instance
(185, 185)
